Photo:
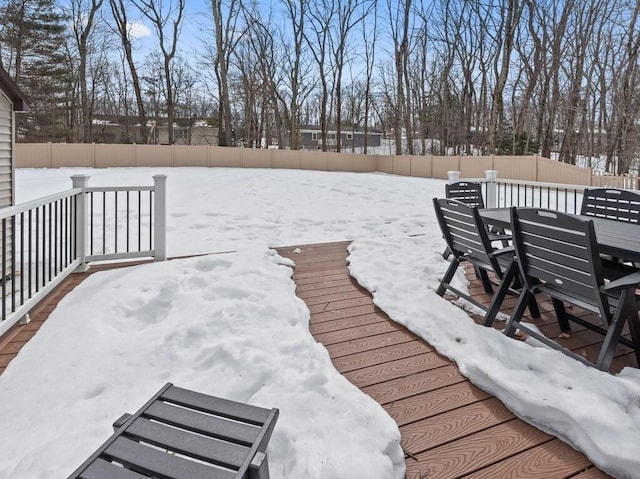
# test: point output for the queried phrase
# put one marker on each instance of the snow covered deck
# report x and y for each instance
(449, 427)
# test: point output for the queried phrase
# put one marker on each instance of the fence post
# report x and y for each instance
(81, 181)
(492, 188)
(160, 213)
(454, 176)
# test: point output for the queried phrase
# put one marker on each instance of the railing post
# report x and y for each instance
(81, 181)
(160, 213)
(492, 188)
(454, 176)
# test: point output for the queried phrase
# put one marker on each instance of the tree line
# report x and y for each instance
(554, 77)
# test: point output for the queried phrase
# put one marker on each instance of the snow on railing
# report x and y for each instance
(45, 240)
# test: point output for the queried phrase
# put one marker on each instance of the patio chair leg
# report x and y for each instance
(484, 277)
(533, 307)
(624, 310)
(561, 315)
(634, 325)
(516, 316)
(506, 282)
(448, 275)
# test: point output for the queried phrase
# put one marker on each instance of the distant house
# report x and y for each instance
(11, 100)
(311, 137)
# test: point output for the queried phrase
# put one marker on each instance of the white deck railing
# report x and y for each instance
(501, 193)
(45, 240)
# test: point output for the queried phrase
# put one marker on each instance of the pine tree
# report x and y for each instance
(33, 51)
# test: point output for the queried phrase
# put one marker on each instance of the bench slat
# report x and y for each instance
(214, 405)
(212, 426)
(158, 463)
(203, 448)
(101, 469)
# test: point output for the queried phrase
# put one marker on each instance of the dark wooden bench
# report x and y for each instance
(180, 433)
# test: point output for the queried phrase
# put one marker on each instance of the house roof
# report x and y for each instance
(11, 90)
(345, 129)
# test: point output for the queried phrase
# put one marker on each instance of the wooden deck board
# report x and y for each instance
(475, 451)
(449, 427)
(358, 331)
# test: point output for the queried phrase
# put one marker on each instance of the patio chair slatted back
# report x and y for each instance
(558, 255)
(614, 204)
(468, 192)
(560, 250)
(464, 232)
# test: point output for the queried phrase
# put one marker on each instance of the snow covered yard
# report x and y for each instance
(230, 325)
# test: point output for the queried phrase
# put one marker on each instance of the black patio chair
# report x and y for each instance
(467, 192)
(611, 203)
(558, 255)
(180, 433)
(470, 193)
(468, 240)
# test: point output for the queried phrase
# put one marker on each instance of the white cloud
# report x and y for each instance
(138, 29)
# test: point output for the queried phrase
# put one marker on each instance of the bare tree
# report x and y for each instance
(166, 18)
(510, 12)
(349, 14)
(369, 37)
(119, 11)
(625, 97)
(318, 39)
(399, 16)
(83, 16)
(227, 34)
(296, 11)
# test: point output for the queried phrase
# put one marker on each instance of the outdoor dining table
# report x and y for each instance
(615, 238)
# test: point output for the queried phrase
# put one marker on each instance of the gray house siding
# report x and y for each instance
(6, 152)
(312, 140)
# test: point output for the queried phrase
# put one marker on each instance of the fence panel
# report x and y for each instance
(256, 158)
(111, 155)
(421, 166)
(520, 168)
(32, 155)
(443, 164)
(628, 182)
(556, 172)
(290, 159)
(475, 166)
(191, 155)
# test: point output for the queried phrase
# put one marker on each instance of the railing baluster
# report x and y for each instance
(22, 271)
(127, 227)
(151, 219)
(91, 217)
(4, 269)
(13, 264)
(37, 250)
(115, 222)
(139, 219)
(30, 272)
(104, 222)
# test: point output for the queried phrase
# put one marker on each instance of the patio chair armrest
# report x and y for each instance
(629, 281)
